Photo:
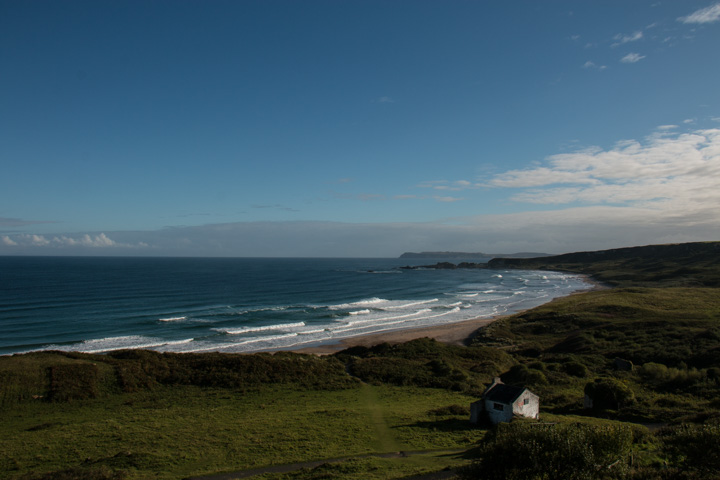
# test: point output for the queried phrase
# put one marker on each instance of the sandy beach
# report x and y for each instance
(453, 333)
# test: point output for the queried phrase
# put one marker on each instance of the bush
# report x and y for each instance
(526, 451)
(659, 374)
(522, 375)
(693, 448)
(576, 369)
(609, 394)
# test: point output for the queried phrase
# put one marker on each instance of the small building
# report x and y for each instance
(500, 403)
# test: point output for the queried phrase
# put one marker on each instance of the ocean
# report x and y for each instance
(96, 305)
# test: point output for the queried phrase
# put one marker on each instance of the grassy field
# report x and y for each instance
(177, 431)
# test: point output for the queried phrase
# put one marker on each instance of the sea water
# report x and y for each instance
(96, 305)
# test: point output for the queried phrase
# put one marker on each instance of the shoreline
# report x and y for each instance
(452, 333)
(457, 333)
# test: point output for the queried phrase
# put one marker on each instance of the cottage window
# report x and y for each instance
(499, 406)
(526, 401)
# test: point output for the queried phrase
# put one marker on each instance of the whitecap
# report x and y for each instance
(362, 303)
(410, 304)
(172, 319)
(241, 330)
(109, 344)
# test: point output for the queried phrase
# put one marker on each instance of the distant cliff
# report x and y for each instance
(477, 255)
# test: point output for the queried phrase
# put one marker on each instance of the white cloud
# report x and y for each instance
(593, 65)
(704, 15)
(622, 39)
(98, 241)
(37, 240)
(446, 199)
(669, 174)
(7, 241)
(63, 241)
(539, 177)
(632, 58)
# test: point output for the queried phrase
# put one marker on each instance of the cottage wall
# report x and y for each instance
(498, 412)
(527, 405)
(500, 403)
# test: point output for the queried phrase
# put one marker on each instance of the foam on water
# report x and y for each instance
(362, 303)
(172, 319)
(104, 345)
(243, 330)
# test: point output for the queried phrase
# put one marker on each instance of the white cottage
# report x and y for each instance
(500, 403)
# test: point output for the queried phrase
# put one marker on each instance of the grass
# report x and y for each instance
(172, 432)
(371, 468)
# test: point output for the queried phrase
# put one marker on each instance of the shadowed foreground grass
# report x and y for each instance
(173, 432)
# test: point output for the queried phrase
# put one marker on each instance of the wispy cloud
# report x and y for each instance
(446, 199)
(384, 99)
(704, 15)
(632, 58)
(594, 66)
(274, 207)
(623, 39)
(369, 197)
(446, 185)
(18, 222)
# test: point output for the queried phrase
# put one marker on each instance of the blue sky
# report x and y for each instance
(357, 128)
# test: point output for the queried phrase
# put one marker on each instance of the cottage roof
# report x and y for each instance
(502, 393)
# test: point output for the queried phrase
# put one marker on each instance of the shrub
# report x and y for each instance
(576, 369)
(522, 375)
(527, 451)
(660, 374)
(609, 394)
(693, 448)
